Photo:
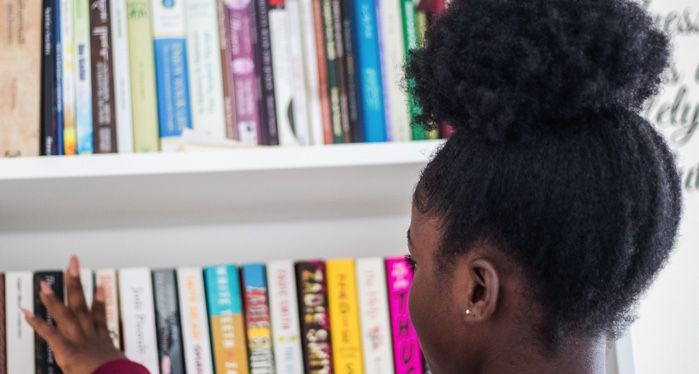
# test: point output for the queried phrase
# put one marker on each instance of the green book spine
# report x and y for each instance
(333, 63)
(410, 42)
(142, 74)
(421, 22)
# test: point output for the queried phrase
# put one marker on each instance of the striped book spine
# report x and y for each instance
(285, 317)
(122, 78)
(257, 319)
(225, 307)
(19, 294)
(138, 317)
(69, 77)
(83, 82)
(344, 317)
(406, 347)
(313, 311)
(172, 82)
(107, 280)
(195, 327)
(167, 321)
(373, 307)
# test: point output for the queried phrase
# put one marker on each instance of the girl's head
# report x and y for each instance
(554, 204)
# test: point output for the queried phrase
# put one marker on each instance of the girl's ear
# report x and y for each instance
(481, 289)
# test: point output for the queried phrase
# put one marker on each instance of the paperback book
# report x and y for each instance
(19, 294)
(313, 314)
(167, 321)
(285, 317)
(257, 319)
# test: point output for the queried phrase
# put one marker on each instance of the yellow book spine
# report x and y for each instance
(344, 317)
(228, 337)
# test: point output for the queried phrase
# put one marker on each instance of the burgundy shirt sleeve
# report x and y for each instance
(121, 367)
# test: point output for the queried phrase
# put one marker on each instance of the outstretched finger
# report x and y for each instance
(99, 312)
(76, 296)
(66, 322)
(46, 331)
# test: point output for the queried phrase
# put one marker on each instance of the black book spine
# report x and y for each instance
(350, 72)
(342, 77)
(313, 314)
(263, 54)
(48, 85)
(103, 113)
(332, 63)
(43, 355)
(167, 321)
(3, 342)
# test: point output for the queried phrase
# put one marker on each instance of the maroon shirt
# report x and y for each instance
(121, 367)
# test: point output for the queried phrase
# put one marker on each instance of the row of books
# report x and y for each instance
(100, 76)
(340, 316)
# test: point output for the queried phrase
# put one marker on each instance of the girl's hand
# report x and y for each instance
(80, 340)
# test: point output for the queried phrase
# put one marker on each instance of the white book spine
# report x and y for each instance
(311, 79)
(204, 62)
(391, 33)
(138, 317)
(19, 289)
(195, 327)
(301, 123)
(373, 309)
(122, 80)
(107, 279)
(284, 312)
(281, 69)
(88, 282)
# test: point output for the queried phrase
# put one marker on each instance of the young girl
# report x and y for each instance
(542, 219)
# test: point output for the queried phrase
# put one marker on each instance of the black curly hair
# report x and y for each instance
(550, 160)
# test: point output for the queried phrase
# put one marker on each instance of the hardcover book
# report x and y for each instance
(83, 77)
(373, 308)
(225, 307)
(267, 133)
(313, 311)
(167, 322)
(69, 77)
(44, 357)
(195, 327)
(407, 356)
(344, 316)
(285, 317)
(257, 319)
(19, 294)
(20, 77)
(103, 120)
(107, 279)
(138, 317)
(122, 78)
(49, 126)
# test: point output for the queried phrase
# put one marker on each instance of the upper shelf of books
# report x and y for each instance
(239, 185)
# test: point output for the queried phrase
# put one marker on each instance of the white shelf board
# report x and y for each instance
(239, 185)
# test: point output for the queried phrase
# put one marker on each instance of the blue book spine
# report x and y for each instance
(223, 290)
(172, 86)
(369, 71)
(59, 77)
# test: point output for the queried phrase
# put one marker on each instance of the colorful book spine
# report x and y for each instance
(167, 321)
(172, 82)
(344, 316)
(257, 319)
(227, 86)
(49, 128)
(333, 74)
(107, 280)
(122, 78)
(225, 307)
(373, 307)
(103, 118)
(350, 66)
(285, 317)
(87, 280)
(195, 327)
(69, 77)
(144, 103)
(299, 102)
(19, 294)
(58, 76)
(310, 72)
(280, 40)
(422, 22)
(409, 23)
(322, 65)
(267, 133)
(204, 61)
(83, 78)
(44, 357)
(240, 23)
(138, 317)
(406, 347)
(369, 68)
(313, 310)
(3, 325)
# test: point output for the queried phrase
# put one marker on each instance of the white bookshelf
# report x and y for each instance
(168, 209)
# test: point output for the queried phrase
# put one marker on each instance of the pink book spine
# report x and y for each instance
(406, 347)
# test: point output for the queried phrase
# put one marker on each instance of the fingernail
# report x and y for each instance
(99, 294)
(46, 288)
(74, 267)
(27, 313)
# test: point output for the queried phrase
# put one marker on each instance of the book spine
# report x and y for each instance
(107, 279)
(369, 67)
(410, 42)
(373, 307)
(406, 348)
(20, 336)
(83, 77)
(421, 23)
(227, 85)
(342, 76)
(204, 63)
(344, 316)
(225, 307)
(332, 64)
(313, 311)
(267, 133)
(322, 65)
(138, 317)
(69, 77)
(280, 39)
(392, 60)
(58, 77)
(167, 321)
(103, 119)
(240, 21)
(144, 104)
(48, 72)
(299, 101)
(257, 319)
(172, 82)
(350, 65)
(122, 79)
(43, 354)
(87, 280)
(285, 317)
(3, 326)
(311, 70)
(195, 327)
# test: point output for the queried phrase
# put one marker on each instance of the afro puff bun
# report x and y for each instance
(507, 68)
